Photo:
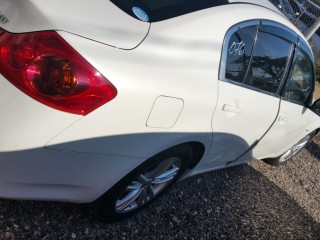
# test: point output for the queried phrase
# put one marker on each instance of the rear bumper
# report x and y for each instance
(44, 174)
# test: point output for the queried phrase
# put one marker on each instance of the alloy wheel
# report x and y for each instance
(147, 185)
(295, 149)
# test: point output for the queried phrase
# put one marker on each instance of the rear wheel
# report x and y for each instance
(290, 153)
(144, 184)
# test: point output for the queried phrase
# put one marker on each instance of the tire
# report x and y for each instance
(144, 184)
(290, 153)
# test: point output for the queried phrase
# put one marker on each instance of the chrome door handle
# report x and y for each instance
(233, 109)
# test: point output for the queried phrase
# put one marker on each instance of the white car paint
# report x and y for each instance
(263, 3)
(165, 112)
(52, 155)
(288, 124)
(245, 123)
(99, 20)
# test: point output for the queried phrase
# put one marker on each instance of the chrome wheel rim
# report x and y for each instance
(295, 149)
(286, 156)
(147, 185)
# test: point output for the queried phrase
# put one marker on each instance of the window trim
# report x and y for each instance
(258, 23)
(286, 29)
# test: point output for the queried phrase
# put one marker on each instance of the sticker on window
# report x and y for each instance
(141, 14)
(237, 48)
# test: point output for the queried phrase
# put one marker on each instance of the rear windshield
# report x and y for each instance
(158, 10)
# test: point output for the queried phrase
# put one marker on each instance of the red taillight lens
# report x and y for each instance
(48, 69)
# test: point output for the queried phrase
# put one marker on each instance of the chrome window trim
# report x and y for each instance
(258, 23)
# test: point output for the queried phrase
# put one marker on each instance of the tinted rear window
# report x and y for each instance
(158, 10)
(269, 62)
(300, 83)
(257, 57)
(239, 53)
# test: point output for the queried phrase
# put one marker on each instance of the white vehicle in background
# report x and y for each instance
(114, 101)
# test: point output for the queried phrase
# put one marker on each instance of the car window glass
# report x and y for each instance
(239, 51)
(300, 82)
(269, 61)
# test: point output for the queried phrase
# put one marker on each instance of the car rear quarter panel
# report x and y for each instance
(180, 58)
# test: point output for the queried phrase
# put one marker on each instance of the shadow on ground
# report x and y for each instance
(234, 203)
(314, 149)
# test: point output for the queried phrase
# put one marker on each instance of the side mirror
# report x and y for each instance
(316, 107)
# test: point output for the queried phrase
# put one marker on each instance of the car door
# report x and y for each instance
(295, 118)
(254, 62)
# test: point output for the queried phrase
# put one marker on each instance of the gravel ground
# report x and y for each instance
(251, 201)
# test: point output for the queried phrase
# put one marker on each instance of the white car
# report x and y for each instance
(113, 101)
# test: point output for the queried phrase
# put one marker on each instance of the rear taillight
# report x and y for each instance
(48, 69)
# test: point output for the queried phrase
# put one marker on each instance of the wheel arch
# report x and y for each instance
(198, 151)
